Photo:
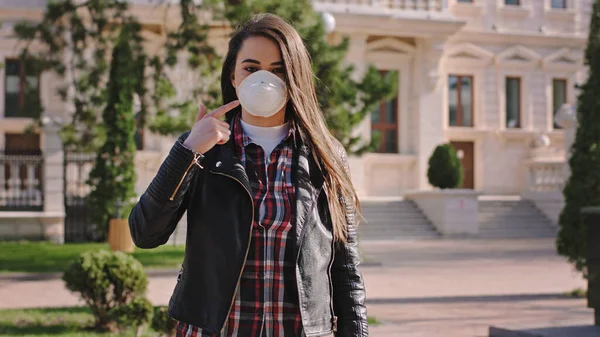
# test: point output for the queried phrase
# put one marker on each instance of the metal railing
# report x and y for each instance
(21, 182)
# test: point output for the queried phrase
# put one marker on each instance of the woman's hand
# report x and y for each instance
(209, 130)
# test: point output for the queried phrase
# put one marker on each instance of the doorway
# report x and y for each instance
(466, 154)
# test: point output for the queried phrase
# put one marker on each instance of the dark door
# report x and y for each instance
(466, 153)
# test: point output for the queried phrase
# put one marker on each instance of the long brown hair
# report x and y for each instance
(303, 108)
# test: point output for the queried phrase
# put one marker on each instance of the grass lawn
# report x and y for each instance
(50, 257)
(58, 322)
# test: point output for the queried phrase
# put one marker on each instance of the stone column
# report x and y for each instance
(430, 115)
(356, 56)
(566, 118)
(53, 219)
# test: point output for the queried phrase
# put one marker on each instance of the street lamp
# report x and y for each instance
(328, 21)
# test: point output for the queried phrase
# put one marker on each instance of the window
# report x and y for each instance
(559, 96)
(384, 124)
(513, 102)
(559, 4)
(460, 100)
(21, 90)
(512, 2)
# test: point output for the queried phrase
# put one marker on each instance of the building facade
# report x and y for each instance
(486, 75)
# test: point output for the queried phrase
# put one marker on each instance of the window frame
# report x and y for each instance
(22, 81)
(519, 124)
(564, 5)
(459, 112)
(383, 125)
(565, 95)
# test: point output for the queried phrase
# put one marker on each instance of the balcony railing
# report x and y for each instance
(390, 5)
(21, 182)
(546, 176)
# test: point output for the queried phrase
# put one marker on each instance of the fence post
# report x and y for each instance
(590, 217)
(54, 208)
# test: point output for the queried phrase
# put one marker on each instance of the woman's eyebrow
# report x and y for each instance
(250, 61)
(278, 63)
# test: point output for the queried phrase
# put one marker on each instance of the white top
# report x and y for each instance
(266, 137)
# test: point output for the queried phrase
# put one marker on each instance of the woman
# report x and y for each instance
(271, 246)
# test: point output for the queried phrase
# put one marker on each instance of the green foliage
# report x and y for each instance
(106, 280)
(162, 323)
(45, 257)
(64, 31)
(79, 29)
(136, 313)
(188, 42)
(583, 186)
(445, 169)
(113, 176)
(577, 293)
(345, 101)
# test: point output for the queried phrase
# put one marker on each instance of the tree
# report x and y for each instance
(113, 176)
(445, 169)
(345, 101)
(187, 45)
(73, 40)
(583, 186)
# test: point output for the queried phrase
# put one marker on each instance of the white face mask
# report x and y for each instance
(262, 94)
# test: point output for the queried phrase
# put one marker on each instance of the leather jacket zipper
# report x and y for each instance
(247, 248)
(194, 162)
(333, 316)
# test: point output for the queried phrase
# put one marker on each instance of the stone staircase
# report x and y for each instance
(401, 219)
(512, 217)
(383, 220)
(393, 220)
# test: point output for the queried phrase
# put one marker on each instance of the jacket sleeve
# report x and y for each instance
(155, 216)
(348, 285)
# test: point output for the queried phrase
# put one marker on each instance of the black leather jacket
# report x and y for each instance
(216, 194)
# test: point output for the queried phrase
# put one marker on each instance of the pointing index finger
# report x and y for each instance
(219, 112)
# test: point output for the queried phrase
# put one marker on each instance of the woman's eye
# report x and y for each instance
(251, 69)
(278, 70)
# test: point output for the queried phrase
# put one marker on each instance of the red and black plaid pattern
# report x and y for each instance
(266, 303)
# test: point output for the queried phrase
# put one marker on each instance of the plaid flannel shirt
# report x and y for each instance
(266, 302)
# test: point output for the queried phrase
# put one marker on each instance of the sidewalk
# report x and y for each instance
(423, 288)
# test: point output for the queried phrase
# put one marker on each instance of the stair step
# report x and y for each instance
(513, 225)
(394, 220)
(516, 234)
(512, 219)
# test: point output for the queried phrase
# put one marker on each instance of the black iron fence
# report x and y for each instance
(78, 227)
(21, 182)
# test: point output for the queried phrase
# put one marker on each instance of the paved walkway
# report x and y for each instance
(422, 288)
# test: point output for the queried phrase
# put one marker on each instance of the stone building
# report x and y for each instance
(486, 75)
